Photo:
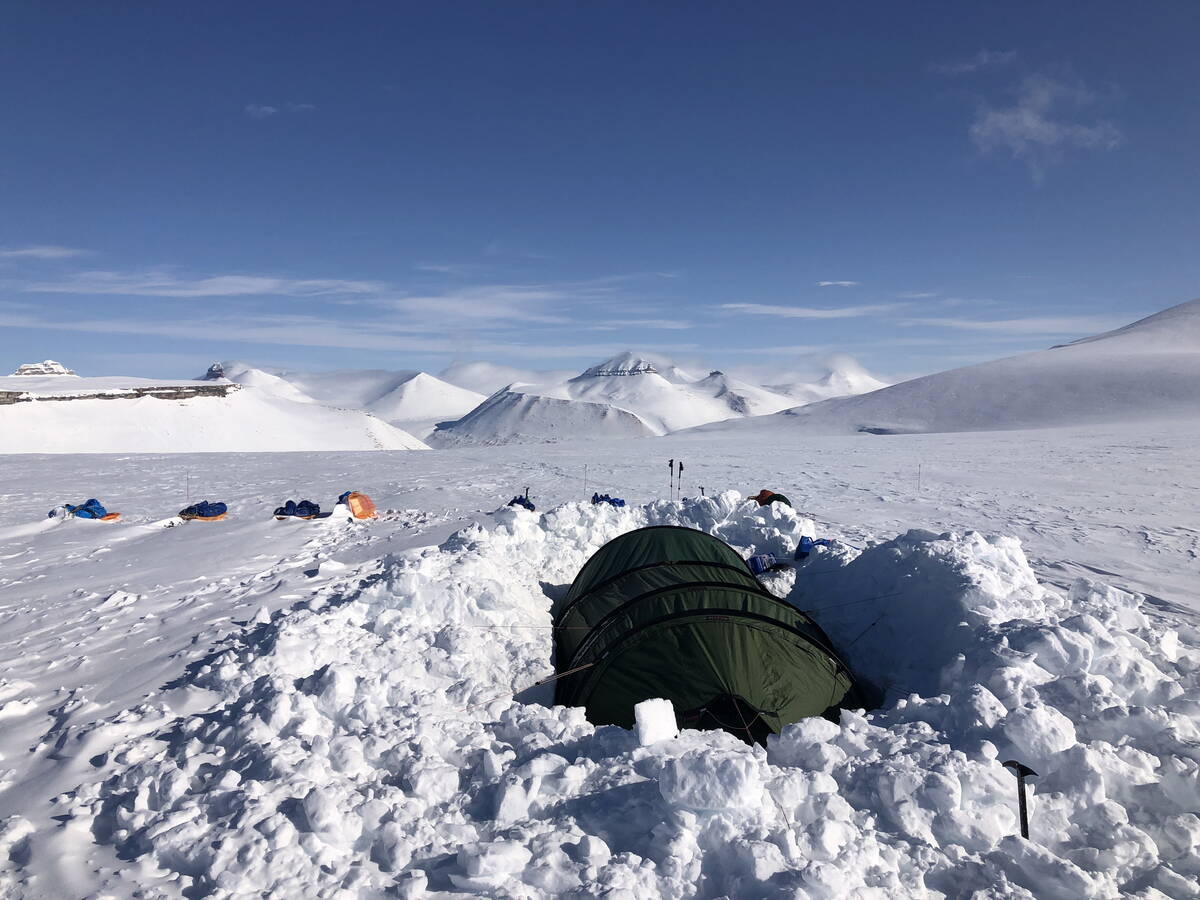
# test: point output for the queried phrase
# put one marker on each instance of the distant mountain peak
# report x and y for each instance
(626, 363)
(45, 367)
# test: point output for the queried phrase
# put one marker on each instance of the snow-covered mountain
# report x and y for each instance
(422, 401)
(513, 417)
(625, 396)
(412, 400)
(845, 378)
(486, 378)
(1149, 369)
(267, 382)
(68, 414)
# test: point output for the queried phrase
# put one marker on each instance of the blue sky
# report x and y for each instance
(755, 185)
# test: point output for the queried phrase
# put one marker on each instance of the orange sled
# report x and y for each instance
(361, 506)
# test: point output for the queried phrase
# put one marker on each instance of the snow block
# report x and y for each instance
(655, 721)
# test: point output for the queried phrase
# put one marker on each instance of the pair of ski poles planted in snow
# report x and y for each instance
(676, 481)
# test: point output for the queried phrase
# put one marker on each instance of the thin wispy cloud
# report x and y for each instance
(1043, 124)
(808, 312)
(982, 59)
(312, 331)
(42, 251)
(917, 295)
(265, 110)
(838, 283)
(784, 350)
(165, 284)
(652, 324)
(447, 268)
(490, 303)
(499, 248)
(1043, 325)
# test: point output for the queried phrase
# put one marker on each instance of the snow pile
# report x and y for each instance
(374, 744)
(1147, 370)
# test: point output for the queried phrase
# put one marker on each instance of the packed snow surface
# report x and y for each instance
(336, 708)
(1147, 370)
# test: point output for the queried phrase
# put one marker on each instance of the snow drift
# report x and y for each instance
(1147, 370)
(374, 744)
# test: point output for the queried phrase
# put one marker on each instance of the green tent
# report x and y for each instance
(676, 613)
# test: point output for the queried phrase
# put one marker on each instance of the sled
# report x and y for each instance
(360, 505)
(110, 517)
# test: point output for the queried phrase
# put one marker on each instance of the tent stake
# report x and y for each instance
(1021, 771)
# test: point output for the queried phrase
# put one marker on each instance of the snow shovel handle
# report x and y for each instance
(1021, 770)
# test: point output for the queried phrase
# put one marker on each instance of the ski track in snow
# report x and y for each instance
(304, 708)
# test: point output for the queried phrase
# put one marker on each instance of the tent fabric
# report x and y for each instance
(674, 612)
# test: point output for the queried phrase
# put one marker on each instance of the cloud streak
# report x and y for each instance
(42, 251)
(1046, 325)
(265, 110)
(309, 331)
(164, 284)
(838, 283)
(982, 59)
(808, 312)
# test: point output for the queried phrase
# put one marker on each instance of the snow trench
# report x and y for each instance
(373, 746)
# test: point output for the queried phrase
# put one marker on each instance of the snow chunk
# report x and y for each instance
(712, 780)
(655, 721)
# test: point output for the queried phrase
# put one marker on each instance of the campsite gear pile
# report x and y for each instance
(204, 511)
(89, 509)
(305, 509)
(764, 562)
(360, 505)
(807, 545)
(676, 613)
(604, 498)
(766, 498)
